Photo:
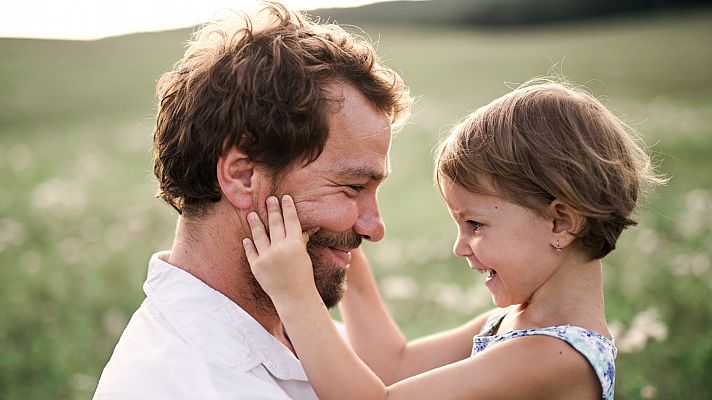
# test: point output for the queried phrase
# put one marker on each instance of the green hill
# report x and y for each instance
(495, 12)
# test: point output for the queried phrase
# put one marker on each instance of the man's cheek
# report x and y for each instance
(306, 211)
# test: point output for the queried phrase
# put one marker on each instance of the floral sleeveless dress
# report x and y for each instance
(598, 350)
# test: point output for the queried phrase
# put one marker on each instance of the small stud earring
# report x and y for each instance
(558, 248)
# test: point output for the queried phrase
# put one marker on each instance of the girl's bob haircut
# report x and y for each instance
(549, 140)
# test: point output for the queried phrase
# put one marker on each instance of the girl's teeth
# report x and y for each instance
(488, 273)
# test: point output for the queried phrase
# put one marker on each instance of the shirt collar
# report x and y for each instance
(218, 327)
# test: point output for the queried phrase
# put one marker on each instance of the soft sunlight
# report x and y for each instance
(92, 19)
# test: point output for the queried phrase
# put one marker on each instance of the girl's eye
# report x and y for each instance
(474, 225)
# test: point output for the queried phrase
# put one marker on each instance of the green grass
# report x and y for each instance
(78, 220)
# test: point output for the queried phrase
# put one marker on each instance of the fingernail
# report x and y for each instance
(272, 201)
(251, 216)
(286, 197)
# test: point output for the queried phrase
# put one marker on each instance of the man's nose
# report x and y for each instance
(369, 223)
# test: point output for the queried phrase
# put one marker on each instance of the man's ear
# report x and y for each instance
(567, 222)
(236, 174)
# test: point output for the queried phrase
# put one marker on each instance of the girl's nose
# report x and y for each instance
(461, 248)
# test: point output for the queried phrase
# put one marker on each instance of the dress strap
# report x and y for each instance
(493, 322)
(598, 350)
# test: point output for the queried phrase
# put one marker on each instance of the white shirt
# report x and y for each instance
(188, 341)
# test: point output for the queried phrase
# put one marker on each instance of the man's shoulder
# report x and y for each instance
(170, 371)
(188, 341)
(155, 335)
(132, 377)
(150, 355)
(155, 360)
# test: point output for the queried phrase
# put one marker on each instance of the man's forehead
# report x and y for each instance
(355, 118)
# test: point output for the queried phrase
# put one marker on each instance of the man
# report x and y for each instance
(268, 104)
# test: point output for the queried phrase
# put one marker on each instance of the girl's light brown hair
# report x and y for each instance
(549, 140)
(259, 82)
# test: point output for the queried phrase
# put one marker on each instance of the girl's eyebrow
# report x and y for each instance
(461, 213)
(469, 213)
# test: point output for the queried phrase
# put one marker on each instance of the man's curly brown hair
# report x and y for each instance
(258, 82)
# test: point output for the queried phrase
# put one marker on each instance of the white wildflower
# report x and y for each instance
(648, 392)
(616, 329)
(59, 197)
(698, 205)
(646, 325)
(83, 382)
(114, 321)
(90, 165)
(477, 297)
(387, 255)
(12, 233)
(647, 241)
(447, 296)
(398, 287)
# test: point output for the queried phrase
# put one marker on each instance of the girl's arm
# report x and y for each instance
(528, 367)
(282, 266)
(378, 341)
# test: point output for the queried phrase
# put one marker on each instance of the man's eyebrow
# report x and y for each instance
(362, 172)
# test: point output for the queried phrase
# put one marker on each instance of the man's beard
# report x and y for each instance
(330, 278)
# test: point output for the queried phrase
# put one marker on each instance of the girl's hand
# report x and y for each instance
(280, 261)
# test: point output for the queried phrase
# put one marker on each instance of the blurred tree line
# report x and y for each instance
(496, 12)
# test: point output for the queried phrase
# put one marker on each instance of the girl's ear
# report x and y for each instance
(236, 175)
(567, 223)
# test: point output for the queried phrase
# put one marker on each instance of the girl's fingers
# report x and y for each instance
(292, 226)
(307, 234)
(259, 236)
(250, 251)
(274, 216)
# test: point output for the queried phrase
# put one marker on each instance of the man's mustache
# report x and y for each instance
(349, 240)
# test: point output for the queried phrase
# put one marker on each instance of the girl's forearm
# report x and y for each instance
(334, 370)
(372, 333)
(379, 342)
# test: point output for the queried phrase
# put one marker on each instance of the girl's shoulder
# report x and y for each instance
(598, 350)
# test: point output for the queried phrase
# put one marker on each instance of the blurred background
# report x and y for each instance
(79, 221)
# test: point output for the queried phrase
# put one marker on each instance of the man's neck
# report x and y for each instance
(210, 250)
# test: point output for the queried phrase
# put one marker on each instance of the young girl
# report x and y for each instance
(540, 184)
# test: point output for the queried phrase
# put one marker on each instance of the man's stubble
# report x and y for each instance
(329, 277)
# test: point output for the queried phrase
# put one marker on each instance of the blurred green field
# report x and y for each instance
(78, 220)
